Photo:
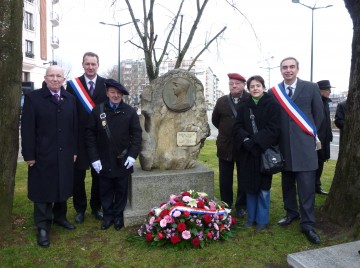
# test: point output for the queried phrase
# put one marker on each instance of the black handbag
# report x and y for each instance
(271, 161)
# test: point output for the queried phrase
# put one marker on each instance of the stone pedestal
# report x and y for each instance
(148, 189)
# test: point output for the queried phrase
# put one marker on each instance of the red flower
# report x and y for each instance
(222, 227)
(181, 227)
(209, 235)
(233, 220)
(158, 219)
(186, 214)
(207, 218)
(149, 237)
(175, 239)
(160, 235)
(195, 242)
(164, 213)
(185, 194)
(200, 204)
(179, 204)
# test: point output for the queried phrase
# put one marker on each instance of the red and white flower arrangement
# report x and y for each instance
(187, 219)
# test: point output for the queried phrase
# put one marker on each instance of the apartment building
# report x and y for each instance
(39, 40)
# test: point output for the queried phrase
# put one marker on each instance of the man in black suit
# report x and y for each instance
(89, 90)
(48, 152)
(299, 148)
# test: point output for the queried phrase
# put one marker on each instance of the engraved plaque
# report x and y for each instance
(186, 139)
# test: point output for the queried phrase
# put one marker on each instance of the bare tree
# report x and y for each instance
(343, 203)
(149, 37)
(10, 93)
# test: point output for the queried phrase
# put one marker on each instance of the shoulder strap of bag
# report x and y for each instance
(107, 130)
(232, 106)
(252, 118)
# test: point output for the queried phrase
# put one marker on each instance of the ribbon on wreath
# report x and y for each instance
(200, 211)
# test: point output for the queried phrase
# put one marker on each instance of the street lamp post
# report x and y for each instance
(118, 25)
(312, 32)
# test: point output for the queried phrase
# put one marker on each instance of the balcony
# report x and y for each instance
(29, 27)
(55, 2)
(29, 54)
(54, 42)
(54, 18)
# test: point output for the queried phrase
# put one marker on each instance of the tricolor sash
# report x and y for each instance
(293, 110)
(201, 211)
(82, 94)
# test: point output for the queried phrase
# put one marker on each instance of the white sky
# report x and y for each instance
(282, 29)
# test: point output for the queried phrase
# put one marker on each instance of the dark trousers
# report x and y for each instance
(114, 195)
(226, 175)
(318, 174)
(45, 213)
(79, 195)
(302, 183)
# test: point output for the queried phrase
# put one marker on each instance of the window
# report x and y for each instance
(29, 52)
(29, 21)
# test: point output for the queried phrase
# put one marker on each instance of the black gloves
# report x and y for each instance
(248, 144)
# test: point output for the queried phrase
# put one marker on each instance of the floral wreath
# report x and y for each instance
(187, 219)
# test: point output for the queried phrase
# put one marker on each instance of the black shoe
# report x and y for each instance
(79, 218)
(118, 224)
(260, 227)
(105, 225)
(312, 236)
(43, 238)
(287, 220)
(97, 214)
(319, 190)
(248, 224)
(240, 213)
(66, 224)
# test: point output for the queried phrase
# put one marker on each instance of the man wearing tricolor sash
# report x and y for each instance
(89, 90)
(301, 116)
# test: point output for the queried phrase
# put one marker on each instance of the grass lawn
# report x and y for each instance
(88, 246)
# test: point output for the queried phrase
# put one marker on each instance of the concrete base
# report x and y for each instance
(341, 256)
(148, 189)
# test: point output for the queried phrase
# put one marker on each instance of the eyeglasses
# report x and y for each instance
(54, 76)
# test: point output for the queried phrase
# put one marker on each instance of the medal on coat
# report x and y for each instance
(103, 119)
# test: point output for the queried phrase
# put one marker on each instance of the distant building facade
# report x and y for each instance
(134, 77)
(39, 39)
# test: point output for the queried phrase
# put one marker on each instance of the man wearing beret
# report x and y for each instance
(223, 118)
(113, 139)
(324, 133)
(93, 86)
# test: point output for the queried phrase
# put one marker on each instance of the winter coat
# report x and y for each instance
(224, 119)
(324, 132)
(267, 119)
(49, 136)
(125, 129)
(99, 96)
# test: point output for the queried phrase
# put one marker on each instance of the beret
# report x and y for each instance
(236, 77)
(117, 85)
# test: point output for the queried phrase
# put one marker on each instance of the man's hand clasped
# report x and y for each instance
(129, 162)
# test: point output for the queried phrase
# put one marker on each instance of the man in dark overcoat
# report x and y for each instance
(299, 150)
(48, 140)
(94, 85)
(223, 118)
(324, 133)
(113, 139)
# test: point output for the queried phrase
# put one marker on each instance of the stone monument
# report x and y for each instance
(174, 122)
(175, 126)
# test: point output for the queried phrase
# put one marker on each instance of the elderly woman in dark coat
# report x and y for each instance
(250, 145)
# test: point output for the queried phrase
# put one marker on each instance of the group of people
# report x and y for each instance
(66, 131)
(294, 115)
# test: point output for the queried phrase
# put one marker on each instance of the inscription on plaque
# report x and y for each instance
(186, 138)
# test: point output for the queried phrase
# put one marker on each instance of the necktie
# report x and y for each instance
(56, 97)
(290, 91)
(91, 88)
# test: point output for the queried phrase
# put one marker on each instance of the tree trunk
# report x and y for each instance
(11, 17)
(343, 203)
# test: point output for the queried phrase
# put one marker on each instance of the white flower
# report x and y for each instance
(157, 211)
(192, 203)
(163, 223)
